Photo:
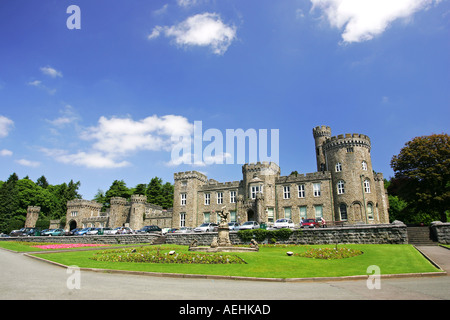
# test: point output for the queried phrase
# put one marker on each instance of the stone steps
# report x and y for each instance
(420, 236)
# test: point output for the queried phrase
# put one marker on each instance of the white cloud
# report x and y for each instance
(5, 153)
(68, 115)
(362, 20)
(187, 3)
(5, 126)
(117, 138)
(49, 71)
(28, 163)
(205, 29)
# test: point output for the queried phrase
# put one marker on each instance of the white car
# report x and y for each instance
(249, 225)
(283, 223)
(206, 227)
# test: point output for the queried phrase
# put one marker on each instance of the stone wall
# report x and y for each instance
(440, 232)
(394, 233)
(106, 239)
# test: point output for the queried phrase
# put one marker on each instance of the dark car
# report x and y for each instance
(23, 232)
(149, 229)
(309, 223)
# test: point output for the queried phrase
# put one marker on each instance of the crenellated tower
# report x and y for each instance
(321, 134)
(137, 211)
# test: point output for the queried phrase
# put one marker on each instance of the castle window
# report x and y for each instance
(286, 192)
(316, 189)
(287, 213)
(367, 186)
(370, 211)
(232, 196)
(303, 212)
(270, 215)
(183, 199)
(233, 216)
(184, 183)
(255, 189)
(74, 213)
(364, 165)
(343, 211)
(340, 187)
(206, 217)
(207, 198)
(349, 149)
(318, 212)
(219, 197)
(182, 219)
(338, 167)
(301, 190)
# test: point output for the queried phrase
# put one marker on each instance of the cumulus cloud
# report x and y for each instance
(5, 126)
(205, 30)
(362, 20)
(49, 71)
(5, 152)
(28, 163)
(114, 139)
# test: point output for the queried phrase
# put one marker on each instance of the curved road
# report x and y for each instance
(26, 278)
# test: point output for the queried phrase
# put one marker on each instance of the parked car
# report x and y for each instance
(283, 223)
(73, 231)
(184, 230)
(23, 232)
(309, 223)
(83, 231)
(206, 227)
(122, 230)
(233, 226)
(54, 232)
(149, 229)
(249, 225)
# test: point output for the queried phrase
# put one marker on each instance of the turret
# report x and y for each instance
(321, 134)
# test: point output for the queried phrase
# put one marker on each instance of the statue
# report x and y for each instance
(224, 230)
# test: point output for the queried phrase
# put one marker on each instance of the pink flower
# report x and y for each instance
(68, 245)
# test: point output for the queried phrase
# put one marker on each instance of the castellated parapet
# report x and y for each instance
(32, 216)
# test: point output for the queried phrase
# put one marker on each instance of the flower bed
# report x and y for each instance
(154, 255)
(329, 253)
(67, 245)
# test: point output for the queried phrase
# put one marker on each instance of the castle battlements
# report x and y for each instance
(84, 203)
(190, 175)
(347, 140)
(313, 176)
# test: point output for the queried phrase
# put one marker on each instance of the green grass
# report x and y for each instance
(272, 262)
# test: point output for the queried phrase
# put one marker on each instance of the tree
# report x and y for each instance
(154, 191)
(422, 174)
(117, 189)
(9, 202)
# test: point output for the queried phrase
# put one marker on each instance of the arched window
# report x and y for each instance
(340, 187)
(364, 165)
(338, 167)
(367, 186)
(343, 211)
(370, 211)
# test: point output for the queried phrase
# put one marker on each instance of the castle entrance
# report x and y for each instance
(251, 215)
(72, 225)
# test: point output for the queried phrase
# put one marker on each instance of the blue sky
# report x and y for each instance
(101, 102)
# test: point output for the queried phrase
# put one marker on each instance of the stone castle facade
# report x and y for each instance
(135, 214)
(344, 189)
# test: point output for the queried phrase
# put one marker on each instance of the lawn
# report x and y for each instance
(272, 262)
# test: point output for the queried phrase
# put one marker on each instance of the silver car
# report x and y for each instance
(206, 227)
(249, 225)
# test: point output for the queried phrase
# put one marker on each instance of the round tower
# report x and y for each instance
(118, 213)
(353, 184)
(321, 134)
(137, 212)
(32, 216)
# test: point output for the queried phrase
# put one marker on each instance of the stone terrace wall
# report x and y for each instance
(394, 233)
(441, 232)
(105, 239)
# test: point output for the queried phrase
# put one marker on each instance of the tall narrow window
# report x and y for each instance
(182, 219)
(343, 211)
(338, 167)
(233, 216)
(370, 211)
(206, 217)
(367, 186)
(301, 190)
(318, 212)
(270, 215)
(340, 187)
(183, 199)
(303, 212)
(207, 198)
(286, 192)
(364, 165)
(232, 196)
(287, 213)
(316, 189)
(219, 197)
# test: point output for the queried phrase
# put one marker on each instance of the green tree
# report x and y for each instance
(9, 202)
(167, 193)
(117, 189)
(422, 175)
(155, 191)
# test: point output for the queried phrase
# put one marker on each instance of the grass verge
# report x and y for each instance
(273, 262)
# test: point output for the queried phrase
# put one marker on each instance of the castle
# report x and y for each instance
(344, 189)
(135, 213)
